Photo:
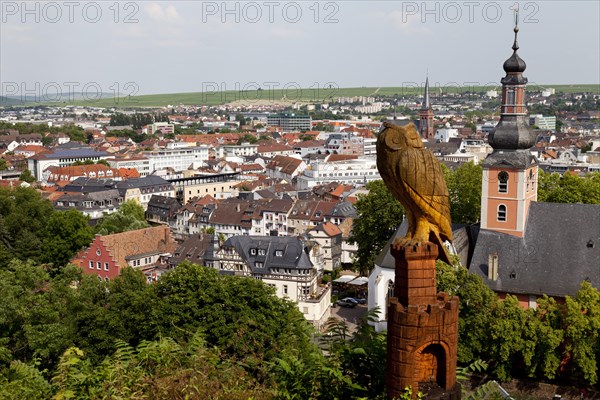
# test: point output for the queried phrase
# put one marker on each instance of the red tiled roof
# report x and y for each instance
(274, 147)
(287, 165)
(340, 157)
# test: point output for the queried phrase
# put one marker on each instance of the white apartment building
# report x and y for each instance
(178, 158)
(369, 147)
(238, 150)
(355, 172)
(445, 134)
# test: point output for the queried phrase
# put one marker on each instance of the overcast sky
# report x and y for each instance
(181, 46)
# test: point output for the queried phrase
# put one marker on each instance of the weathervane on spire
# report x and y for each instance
(516, 44)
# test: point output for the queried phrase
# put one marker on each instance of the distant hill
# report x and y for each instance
(280, 96)
(63, 98)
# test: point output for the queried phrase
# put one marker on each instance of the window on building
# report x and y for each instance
(278, 253)
(98, 265)
(503, 182)
(511, 99)
(262, 252)
(285, 289)
(501, 213)
(258, 264)
(106, 266)
(91, 265)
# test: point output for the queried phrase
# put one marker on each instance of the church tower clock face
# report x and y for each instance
(503, 176)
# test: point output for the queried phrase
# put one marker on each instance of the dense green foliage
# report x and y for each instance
(568, 188)
(137, 121)
(131, 134)
(27, 176)
(548, 342)
(31, 229)
(74, 132)
(129, 217)
(196, 332)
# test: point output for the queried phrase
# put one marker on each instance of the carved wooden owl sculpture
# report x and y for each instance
(415, 178)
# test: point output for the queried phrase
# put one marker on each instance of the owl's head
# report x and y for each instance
(398, 137)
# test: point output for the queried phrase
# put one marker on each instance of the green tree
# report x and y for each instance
(582, 332)
(35, 312)
(464, 189)
(477, 304)
(569, 188)
(3, 164)
(130, 216)
(23, 216)
(240, 118)
(379, 215)
(26, 176)
(65, 233)
(228, 308)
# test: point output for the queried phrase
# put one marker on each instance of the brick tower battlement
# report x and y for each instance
(422, 328)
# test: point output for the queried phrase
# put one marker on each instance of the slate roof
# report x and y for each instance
(89, 185)
(163, 206)
(560, 249)
(293, 250)
(195, 249)
(147, 181)
(344, 209)
(79, 152)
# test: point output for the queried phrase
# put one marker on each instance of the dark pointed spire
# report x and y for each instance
(426, 102)
(515, 64)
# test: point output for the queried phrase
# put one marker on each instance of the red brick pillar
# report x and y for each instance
(422, 328)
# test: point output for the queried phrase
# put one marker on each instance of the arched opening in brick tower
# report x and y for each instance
(431, 362)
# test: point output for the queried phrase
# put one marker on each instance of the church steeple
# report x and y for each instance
(426, 128)
(510, 173)
(512, 132)
(426, 94)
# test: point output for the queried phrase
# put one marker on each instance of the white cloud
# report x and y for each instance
(162, 14)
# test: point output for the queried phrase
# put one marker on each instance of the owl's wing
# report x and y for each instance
(423, 179)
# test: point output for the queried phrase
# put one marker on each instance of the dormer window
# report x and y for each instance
(278, 253)
(503, 182)
(252, 252)
(262, 252)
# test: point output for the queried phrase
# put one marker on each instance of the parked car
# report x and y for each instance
(347, 302)
(360, 301)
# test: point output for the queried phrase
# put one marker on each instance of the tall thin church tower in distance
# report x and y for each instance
(510, 173)
(426, 115)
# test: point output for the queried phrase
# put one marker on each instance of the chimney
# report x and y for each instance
(493, 267)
